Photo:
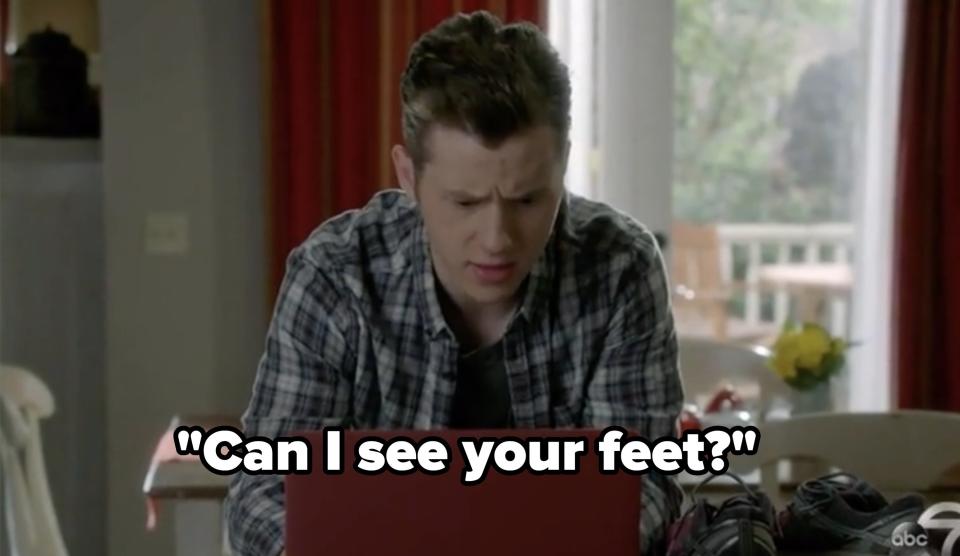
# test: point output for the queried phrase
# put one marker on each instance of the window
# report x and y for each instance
(766, 130)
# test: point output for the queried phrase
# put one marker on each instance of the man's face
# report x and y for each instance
(488, 212)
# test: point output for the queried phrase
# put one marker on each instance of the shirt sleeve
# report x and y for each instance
(636, 383)
(303, 382)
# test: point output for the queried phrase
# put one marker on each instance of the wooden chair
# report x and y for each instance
(24, 401)
(701, 292)
(699, 288)
(897, 452)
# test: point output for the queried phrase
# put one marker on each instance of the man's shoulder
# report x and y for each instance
(374, 238)
(598, 232)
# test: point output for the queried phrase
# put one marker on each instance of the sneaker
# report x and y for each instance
(742, 525)
(842, 512)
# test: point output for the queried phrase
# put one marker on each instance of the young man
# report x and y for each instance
(482, 294)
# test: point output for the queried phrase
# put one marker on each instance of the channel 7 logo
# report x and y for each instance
(938, 526)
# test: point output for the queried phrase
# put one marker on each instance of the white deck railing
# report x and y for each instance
(782, 239)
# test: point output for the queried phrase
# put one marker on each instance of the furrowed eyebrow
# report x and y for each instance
(466, 195)
(530, 192)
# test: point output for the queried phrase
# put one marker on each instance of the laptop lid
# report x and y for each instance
(353, 513)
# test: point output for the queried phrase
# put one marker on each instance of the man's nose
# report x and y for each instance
(497, 236)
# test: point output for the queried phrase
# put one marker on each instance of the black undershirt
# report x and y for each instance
(482, 397)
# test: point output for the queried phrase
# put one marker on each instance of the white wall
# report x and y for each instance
(635, 107)
(182, 134)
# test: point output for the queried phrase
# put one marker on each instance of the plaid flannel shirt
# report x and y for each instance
(358, 339)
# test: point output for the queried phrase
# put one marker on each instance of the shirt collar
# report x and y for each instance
(539, 284)
(427, 284)
(536, 291)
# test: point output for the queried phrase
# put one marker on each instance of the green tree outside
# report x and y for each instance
(765, 106)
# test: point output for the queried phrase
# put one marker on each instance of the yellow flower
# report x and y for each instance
(783, 366)
(785, 354)
(814, 344)
(806, 350)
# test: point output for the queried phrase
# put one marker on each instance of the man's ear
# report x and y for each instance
(403, 166)
(566, 156)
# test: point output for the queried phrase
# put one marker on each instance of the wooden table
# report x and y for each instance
(812, 284)
(195, 495)
(183, 487)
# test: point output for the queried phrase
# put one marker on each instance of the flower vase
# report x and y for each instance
(816, 399)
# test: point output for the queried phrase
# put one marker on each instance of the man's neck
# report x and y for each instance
(476, 325)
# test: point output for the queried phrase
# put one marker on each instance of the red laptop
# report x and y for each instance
(435, 514)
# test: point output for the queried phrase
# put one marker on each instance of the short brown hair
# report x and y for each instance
(487, 78)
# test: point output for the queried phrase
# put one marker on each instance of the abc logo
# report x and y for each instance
(909, 539)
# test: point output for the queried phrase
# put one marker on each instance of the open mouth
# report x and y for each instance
(492, 273)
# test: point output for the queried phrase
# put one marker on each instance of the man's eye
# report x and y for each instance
(528, 200)
(466, 204)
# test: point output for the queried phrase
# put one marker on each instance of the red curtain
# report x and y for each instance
(4, 24)
(333, 74)
(927, 271)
